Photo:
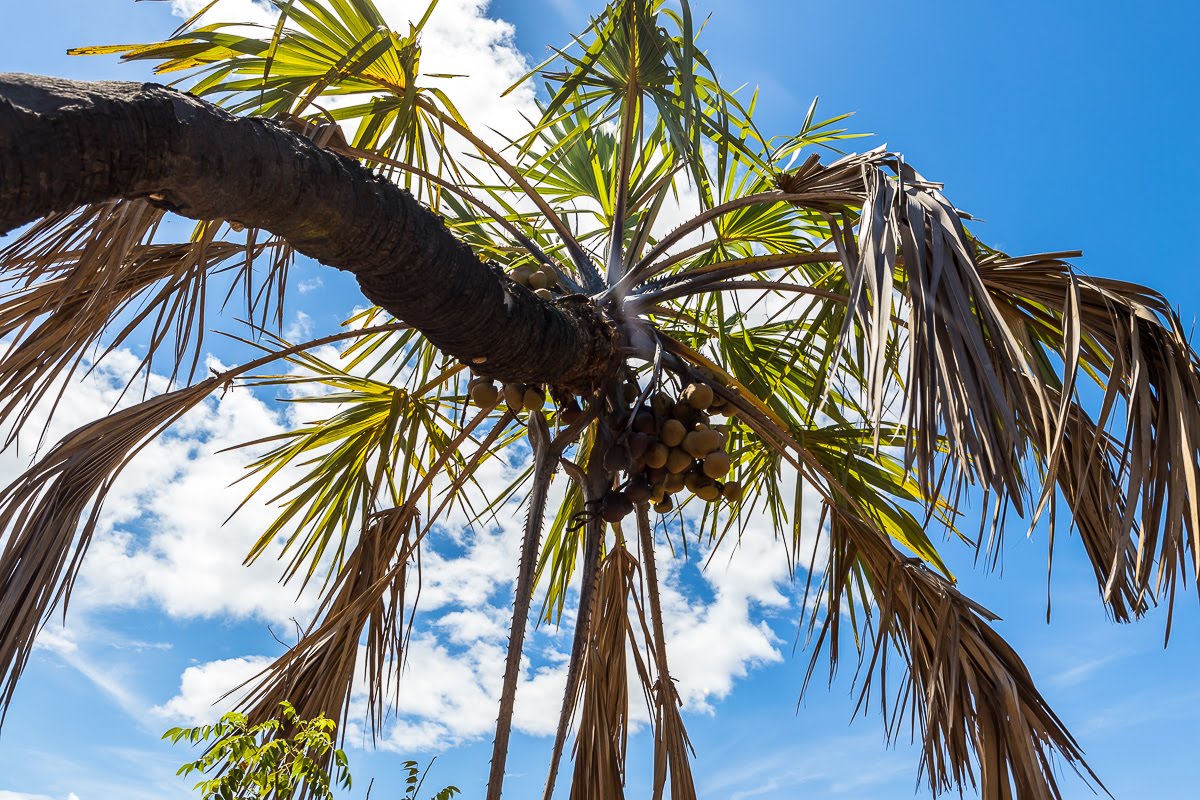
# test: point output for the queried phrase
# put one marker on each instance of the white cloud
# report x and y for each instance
(459, 39)
(450, 685)
(202, 689)
(249, 11)
(300, 329)
(179, 492)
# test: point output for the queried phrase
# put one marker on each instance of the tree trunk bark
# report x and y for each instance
(66, 143)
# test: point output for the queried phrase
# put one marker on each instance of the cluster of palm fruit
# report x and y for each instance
(541, 280)
(519, 396)
(671, 446)
(666, 446)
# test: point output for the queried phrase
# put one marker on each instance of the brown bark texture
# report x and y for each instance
(67, 143)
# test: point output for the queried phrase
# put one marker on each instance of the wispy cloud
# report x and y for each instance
(832, 769)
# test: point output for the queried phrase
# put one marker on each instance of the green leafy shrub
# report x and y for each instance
(280, 759)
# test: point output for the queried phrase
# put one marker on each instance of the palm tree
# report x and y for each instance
(832, 321)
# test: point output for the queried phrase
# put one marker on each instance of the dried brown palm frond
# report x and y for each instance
(984, 334)
(672, 749)
(73, 277)
(318, 674)
(966, 377)
(596, 482)
(50, 513)
(364, 598)
(600, 744)
(585, 609)
(42, 511)
(983, 722)
(1134, 493)
(966, 380)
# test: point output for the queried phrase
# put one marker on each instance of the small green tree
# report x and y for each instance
(280, 758)
(415, 778)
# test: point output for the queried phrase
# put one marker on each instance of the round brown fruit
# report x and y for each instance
(521, 275)
(698, 395)
(708, 492)
(678, 461)
(732, 491)
(618, 459)
(514, 395)
(673, 483)
(672, 433)
(665, 506)
(615, 507)
(702, 442)
(551, 275)
(643, 421)
(639, 443)
(639, 490)
(716, 465)
(657, 455)
(545, 294)
(485, 395)
(662, 403)
(534, 399)
(539, 280)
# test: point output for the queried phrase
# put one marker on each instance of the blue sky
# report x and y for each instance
(1062, 125)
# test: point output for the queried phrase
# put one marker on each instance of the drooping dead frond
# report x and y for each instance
(600, 743)
(966, 381)
(984, 335)
(42, 513)
(575, 666)
(317, 675)
(1134, 494)
(42, 510)
(983, 722)
(71, 277)
(671, 745)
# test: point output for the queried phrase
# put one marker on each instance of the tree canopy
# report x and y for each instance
(690, 321)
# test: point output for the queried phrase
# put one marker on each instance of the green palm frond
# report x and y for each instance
(321, 62)
(375, 447)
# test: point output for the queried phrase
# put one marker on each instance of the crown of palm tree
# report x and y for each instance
(834, 326)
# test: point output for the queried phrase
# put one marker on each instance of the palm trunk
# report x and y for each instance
(65, 143)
